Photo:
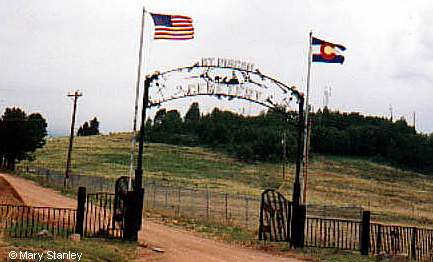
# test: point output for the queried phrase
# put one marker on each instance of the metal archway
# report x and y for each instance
(252, 86)
(231, 82)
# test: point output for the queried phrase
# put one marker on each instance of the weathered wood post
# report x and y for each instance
(365, 233)
(207, 203)
(81, 203)
(226, 207)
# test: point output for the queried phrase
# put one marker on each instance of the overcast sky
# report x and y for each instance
(51, 47)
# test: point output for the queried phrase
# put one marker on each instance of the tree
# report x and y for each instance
(159, 117)
(253, 138)
(193, 114)
(94, 126)
(20, 136)
(172, 121)
(38, 131)
(89, 129)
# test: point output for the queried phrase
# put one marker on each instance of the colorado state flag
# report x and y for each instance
(329, 52)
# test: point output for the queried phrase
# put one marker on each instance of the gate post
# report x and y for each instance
(289, 218)
(140, 203)
(261, 233)
(131, 213)
(81, 201)
(298, 225)
(296, 196)
(365, 233)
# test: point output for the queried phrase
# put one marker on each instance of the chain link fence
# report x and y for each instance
(203, 204)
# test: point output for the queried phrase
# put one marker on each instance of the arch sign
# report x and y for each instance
(229, 78)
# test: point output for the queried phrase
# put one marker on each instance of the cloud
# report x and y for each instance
(411, 49)
(51, 47)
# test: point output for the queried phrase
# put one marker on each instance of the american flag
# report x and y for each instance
(173, 27)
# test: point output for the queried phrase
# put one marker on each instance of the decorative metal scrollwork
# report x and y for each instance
(227, 82)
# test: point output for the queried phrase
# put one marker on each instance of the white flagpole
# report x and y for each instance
(137, 93)
(306, 132)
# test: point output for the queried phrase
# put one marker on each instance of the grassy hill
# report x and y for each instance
(394, 195)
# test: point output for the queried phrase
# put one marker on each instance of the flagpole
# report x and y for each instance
(137, 93)
(306, 126)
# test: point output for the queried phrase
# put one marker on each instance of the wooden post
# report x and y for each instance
(76, 95)
(226, 206)
(178, 201)
(154, 196)
(207, 203)
(365, 232)
(246, 212)
(81, 202)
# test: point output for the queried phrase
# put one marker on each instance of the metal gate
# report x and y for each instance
(105, 212)
(275, 217)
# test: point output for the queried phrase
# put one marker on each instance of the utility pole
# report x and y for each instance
(75, 96)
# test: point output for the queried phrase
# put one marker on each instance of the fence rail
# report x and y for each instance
(335, 233)
(325, 226)
(203, 204)
(413, 242)
(99, 220)
(25, 221)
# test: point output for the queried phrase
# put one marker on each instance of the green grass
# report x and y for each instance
(31, 228)
(108, 156)
(395, 196)
(233, 234)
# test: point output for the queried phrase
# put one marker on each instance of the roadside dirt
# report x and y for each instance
(159, 242)
(8, 194)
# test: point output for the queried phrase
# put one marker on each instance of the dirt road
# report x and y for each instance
(178, 245)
